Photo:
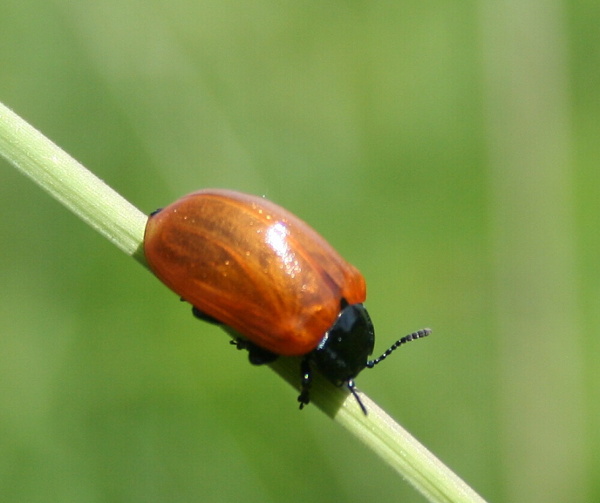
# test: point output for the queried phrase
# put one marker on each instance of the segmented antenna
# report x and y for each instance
(419, 334)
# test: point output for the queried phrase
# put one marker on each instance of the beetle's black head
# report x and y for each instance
(344, 350)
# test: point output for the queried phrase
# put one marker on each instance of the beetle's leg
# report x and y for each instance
(256, 354)
(203, 316)
(352, 388)
(306, 374)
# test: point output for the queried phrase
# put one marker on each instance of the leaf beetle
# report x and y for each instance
(247, 263)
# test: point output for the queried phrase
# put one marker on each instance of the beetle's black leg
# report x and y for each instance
(306, 374)
(352, 388)
(203, 316)
(256, 354)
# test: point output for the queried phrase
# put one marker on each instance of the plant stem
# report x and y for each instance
(380, 433)
(115, 218)
(70, 183)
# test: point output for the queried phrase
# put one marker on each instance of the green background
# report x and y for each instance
(448, 150)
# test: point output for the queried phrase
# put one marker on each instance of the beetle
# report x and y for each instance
(247, 263)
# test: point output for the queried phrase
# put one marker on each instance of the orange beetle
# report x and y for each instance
(247, 263)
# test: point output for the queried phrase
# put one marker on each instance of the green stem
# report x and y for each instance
(380, 433)
(123, 224)
(73, 185)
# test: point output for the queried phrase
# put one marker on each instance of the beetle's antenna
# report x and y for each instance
(407, 338)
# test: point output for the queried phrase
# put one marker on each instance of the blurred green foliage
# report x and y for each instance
(386, 125)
